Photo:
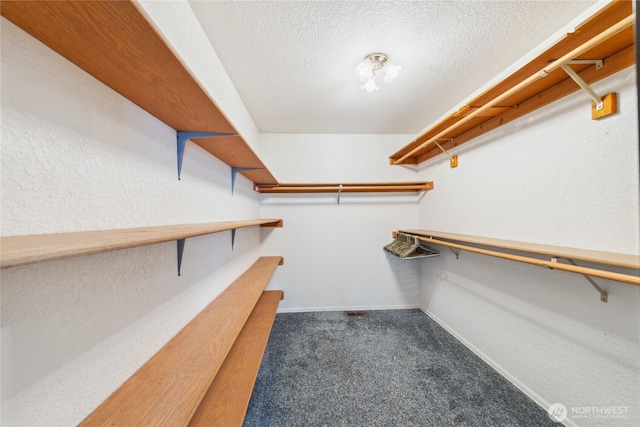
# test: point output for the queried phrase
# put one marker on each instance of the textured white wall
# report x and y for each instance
(78, 156)
(182, 31)
(334, 158)
(334, 258)
(553, 177)
(333, 253)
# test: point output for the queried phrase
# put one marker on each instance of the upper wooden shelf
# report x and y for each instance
(617, 53)
(380, 187)
(598, 257)
(19, 250)
(116, 43)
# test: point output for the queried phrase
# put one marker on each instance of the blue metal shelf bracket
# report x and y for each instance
(234, 171)
(180, 252)
(233, 237)
(182, 138)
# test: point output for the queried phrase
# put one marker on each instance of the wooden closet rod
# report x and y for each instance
(346, 188)
(610, 32)
(554, 265)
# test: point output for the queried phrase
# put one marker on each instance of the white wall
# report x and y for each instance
(333, 253)
(181, 30)
(553, 177)
(78, 156)
(334, 158)
(334, 258)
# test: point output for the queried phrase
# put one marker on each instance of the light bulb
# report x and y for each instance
(364, 71)
(370, 85)
(391, 72)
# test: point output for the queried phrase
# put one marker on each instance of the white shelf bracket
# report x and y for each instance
(576, 78)
(453, 160)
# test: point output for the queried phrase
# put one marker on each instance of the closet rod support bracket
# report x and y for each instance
(182, 137)
(453, 160)
(456, 253)
(597, 62)
(339, 193)
(603, 294)
(576, 78)
(600, 106)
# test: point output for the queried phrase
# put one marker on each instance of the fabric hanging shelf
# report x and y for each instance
(407, 246)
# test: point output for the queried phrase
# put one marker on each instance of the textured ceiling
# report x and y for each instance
(293, 62)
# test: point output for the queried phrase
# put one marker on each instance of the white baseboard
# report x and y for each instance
(513, 380)
(348, 308)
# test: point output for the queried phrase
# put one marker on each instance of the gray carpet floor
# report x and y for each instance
(391, 368)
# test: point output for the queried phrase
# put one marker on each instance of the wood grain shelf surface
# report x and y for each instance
(116, 43)
(617, 53)
(19, 250)
(168, 388)
(379, 187)
(227, 399)
(598, 257)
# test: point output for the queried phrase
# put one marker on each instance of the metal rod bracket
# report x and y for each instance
(453, 160)
(576, 78)
(600, 106)
(339, 193)
(598, 62)
(456, 253)
(603, 294)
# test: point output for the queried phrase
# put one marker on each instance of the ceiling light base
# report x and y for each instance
(377, 60)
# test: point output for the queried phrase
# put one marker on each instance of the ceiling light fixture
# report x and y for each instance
(372, 63)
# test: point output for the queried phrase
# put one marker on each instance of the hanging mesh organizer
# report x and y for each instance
(407, 246)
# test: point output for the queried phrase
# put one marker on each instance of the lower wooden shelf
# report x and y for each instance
(227, 399)
(168, 388)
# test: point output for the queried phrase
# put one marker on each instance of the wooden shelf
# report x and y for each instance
(381, 187)
(597, 257)
(19, 250)
(456, 129)
(168, 388)
(227, 399)
(116, 43)
(608, 258)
